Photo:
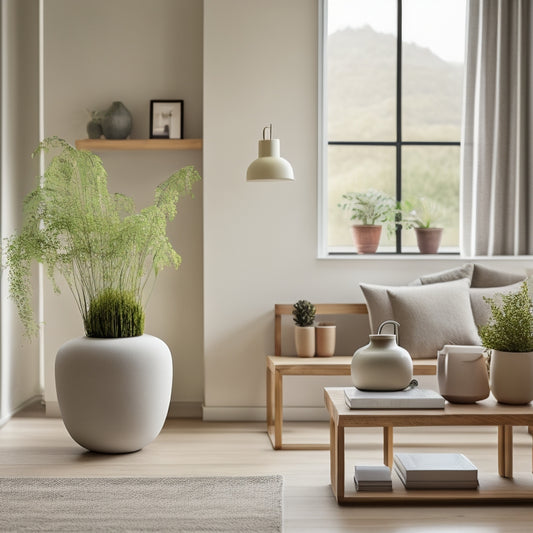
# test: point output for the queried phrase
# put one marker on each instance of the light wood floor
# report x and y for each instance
(33, 445)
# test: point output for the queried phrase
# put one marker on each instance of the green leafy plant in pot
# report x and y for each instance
(421, 215)
(304, 332)
(109, 256)
(509, 337)
(372, 209)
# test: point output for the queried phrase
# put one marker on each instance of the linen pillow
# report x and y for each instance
(488, 277)
(480, 308)
(378, 303)
(452, 274)
(431, 316)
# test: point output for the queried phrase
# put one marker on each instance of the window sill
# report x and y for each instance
(449, 257)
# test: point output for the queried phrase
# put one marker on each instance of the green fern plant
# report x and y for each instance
(304, 313)
(108, 253)
(510, 327)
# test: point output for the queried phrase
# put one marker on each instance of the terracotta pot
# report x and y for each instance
(366, 238)
(325, 339)
(428, 239)
(304, 337)
(511, 377)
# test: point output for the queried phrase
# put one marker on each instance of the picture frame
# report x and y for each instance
(166, 119)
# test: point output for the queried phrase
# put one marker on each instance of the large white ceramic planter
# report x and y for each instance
(511, 376)
(114, 394)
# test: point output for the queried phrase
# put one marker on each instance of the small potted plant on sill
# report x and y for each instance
(113, 384)
(509, 337)
(421, 216)
(372, 209)
(304, 331)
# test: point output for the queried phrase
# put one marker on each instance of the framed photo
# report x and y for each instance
(166, 119)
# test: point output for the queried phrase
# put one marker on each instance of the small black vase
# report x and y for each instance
(117, 122)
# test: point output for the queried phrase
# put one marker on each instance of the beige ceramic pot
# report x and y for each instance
(511, 377)
(382, 365)
(304, 338)
(114, 394)
(325, 339)
(428, 239)
(366, 238)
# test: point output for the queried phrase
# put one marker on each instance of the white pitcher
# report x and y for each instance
(462, 374)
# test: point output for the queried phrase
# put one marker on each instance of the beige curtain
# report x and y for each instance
(497, 138)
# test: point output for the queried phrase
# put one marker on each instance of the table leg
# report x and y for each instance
(388, 452)
(336, 453)
(505, 451)
(278, 409)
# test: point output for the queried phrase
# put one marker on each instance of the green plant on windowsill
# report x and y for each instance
(369, 207)
(421, 213)
(510, 327)
(109, 254)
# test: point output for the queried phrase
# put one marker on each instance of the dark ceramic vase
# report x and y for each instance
(94, 128)
(117, 122)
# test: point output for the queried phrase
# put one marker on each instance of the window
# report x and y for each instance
(393, 83)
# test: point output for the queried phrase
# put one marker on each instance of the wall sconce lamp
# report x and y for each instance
(269, 165)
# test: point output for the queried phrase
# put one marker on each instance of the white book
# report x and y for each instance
(438, 485)
(373, 478)
(413, 398)
(435, 467)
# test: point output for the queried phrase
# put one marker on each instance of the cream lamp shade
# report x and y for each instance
(269, 166)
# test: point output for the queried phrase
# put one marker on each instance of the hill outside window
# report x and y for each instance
(393, 97)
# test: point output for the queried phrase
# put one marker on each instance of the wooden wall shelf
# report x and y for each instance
(139, 144)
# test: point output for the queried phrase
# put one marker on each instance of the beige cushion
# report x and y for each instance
(488, 277)
(430, 316)
(480, 308)
(378, 303)
(452, 274)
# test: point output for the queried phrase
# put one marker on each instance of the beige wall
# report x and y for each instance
(260, 239)
(134, 51)
(19, 109)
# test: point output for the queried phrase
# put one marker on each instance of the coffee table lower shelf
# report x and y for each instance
(492, 488)
(504, 487)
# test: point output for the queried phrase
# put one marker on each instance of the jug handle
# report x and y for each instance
(395, 324)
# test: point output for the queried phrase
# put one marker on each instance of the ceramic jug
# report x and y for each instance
(462, 374)
(382, 365)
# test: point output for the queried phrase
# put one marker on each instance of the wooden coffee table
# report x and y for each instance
(501, 487)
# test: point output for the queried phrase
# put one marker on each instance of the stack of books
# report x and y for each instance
(435, 471)
(373, 478)
(411, 398)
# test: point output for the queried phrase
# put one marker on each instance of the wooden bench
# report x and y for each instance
(292, 365)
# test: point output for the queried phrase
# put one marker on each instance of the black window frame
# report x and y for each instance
(398, 143)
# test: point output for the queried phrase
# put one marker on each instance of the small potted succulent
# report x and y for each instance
(372, 209)
(509, 337)
(421, 216)
(304, 332)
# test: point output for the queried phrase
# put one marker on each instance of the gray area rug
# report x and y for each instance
(229, 504)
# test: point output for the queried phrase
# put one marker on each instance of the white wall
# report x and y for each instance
(19, 110)
(260, 239)
(134, 51)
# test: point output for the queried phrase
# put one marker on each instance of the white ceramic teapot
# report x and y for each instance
(382, 365)
(462, 374)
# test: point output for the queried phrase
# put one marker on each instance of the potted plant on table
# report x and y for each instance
(421, 216)
(509, 337)
(113, 384)
(304, 332)
(372, 209)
